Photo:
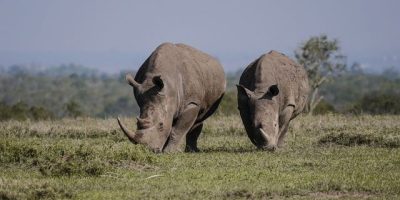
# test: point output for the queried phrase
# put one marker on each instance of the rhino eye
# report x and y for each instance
(161, 126)
(162, 94)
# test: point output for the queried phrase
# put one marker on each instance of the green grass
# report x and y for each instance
(331, 156)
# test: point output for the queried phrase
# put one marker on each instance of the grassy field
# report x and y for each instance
(331, 156)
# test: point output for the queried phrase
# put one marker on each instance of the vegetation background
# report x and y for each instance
(73, 90)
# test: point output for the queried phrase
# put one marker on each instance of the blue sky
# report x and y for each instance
(115, 35)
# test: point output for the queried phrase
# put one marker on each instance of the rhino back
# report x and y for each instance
(196, 76)
(202, 73)
(276, 68)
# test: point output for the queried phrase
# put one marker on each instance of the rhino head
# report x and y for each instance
(155, 121)
(260, 116)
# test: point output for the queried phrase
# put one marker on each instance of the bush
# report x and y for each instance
(5, 112)
(375, 103)
(39, 113)
(228, 105)
(73, 109)
(324, 107)
(21, 111)
(354, 139)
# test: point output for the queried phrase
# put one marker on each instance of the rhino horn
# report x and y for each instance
(265, 135)
(128, 133)
(132, 81)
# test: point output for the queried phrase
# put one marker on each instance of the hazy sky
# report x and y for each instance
(114, 35)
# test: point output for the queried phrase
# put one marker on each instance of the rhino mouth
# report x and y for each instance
(146, 136)
(270, 143)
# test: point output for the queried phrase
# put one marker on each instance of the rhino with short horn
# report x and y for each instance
(176, 88)
(272, 91)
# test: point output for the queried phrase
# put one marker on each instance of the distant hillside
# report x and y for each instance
(61, 70)
(70, 90)
(94, 94)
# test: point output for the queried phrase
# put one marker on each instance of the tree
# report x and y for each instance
(321, 58)
(356, 69)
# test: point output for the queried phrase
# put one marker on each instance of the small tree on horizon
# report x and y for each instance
(322, 60)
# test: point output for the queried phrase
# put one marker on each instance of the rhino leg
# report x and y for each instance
(191, 138)
(284, 119)
(181, 127)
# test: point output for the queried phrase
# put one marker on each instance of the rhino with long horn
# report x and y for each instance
(272, 91)
(176, 88)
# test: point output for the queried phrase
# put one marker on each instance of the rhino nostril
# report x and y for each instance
(157, 150)
(143, 124)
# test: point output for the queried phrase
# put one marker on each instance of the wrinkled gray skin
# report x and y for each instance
(176, 88)
(272, 91)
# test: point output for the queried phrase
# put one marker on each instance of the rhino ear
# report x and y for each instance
(242, 91)
(158, 82)
(273, 90)
(132, 81)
